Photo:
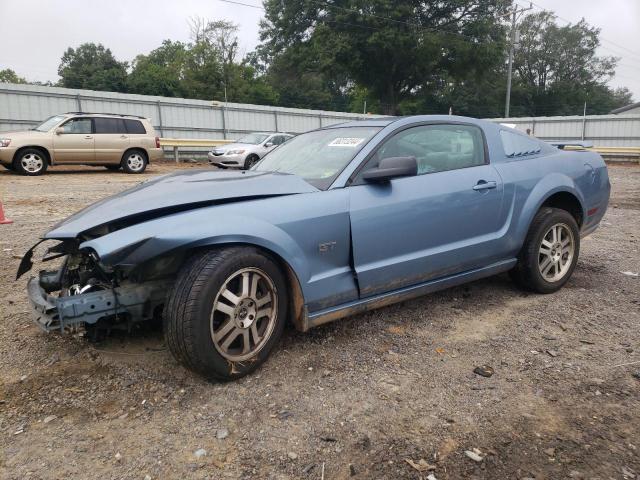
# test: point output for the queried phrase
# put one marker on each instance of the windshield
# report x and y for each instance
(253, 138)
(318, 156)
(49, 123)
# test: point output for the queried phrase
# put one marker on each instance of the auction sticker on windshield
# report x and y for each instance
(346, 142)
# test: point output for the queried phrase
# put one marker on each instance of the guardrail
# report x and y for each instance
(176, 143)
(612, 152)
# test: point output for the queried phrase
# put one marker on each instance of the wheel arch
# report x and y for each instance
(132, 149)
(557, 191)
(44, 150)
(295, 297)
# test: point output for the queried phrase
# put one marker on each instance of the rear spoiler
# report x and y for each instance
(572, 144)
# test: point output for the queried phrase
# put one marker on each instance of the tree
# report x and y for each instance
(92, 67)
(557, 69)
(161, 72)
(393, 49)
(9, 76)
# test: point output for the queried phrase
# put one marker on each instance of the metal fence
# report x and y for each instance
(602, 130)
(24, 106)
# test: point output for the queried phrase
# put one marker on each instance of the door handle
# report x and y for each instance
(484, 185)
(88, 137)
(123, 136)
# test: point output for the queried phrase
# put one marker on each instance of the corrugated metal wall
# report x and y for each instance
(602, 130)
(24, 106)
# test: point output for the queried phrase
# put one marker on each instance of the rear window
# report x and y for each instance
(134, 126)
(109, 125)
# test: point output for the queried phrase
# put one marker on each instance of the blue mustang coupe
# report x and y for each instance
(336, 221)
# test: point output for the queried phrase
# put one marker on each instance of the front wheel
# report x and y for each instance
(250, 161)
(31, 162)
(226, 312)
(134, 161)
(550, 252)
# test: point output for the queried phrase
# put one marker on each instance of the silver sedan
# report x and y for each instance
(246, 151)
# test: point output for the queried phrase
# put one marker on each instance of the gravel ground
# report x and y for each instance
(389, 394)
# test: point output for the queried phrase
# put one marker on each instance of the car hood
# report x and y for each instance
(20, 134)
(174, 193)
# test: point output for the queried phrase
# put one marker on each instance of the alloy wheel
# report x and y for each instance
(556, 252)
(135, 162)
(32, 162)
(244, 314)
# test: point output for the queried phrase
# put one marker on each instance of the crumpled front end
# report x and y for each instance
(83, 293)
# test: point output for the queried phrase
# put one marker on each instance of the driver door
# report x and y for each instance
(75, 142)
(441, 222)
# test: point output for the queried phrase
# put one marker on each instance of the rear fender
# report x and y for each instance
(549, 185)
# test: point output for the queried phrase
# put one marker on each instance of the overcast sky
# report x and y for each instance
(35, 33)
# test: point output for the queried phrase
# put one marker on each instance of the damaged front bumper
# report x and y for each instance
(138, 302)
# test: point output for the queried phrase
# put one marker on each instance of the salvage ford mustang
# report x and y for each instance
(336, 221)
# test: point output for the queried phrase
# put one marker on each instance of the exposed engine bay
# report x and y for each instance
(84, 293)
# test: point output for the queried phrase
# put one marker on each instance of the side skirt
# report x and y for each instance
(364, 305)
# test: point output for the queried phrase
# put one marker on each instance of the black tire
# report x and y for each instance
(24, 157)
(188, 311)
(113, 168)
(527, 272)
(250, 161)
(134, 161)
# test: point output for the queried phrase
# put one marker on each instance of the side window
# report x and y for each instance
(109, 125)
(278, 140)
(134, 126)
(78, 125)
(437, 148)
(517, 145)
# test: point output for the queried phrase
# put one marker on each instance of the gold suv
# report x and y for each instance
(112, 141)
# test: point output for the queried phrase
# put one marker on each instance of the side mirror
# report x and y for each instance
(269, 144)
(392, 167)
(59, 131)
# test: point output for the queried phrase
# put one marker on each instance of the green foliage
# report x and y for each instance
(400, 57)
(92, 67)
(395, 50)
(9, 76)
(161, 72)
(557, 70)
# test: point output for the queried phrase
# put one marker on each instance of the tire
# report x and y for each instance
(545, 268)
(31, 162)
(250, 161)
(206, 332)
(113, 168)
(134, 161)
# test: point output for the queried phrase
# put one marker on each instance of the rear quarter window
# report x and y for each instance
(134, 127)
(516, 145)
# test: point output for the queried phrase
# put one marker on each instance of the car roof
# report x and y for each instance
(112, 115)
(385, 121)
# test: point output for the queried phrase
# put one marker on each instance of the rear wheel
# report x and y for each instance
(134, 161)
(250, 161)
(226, 312)
(550, 252)
(30, 161)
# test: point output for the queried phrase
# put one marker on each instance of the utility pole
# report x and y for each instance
(514, 17)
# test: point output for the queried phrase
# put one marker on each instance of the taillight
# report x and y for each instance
(157, 142)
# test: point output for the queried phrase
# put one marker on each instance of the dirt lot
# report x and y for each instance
(358, 398)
